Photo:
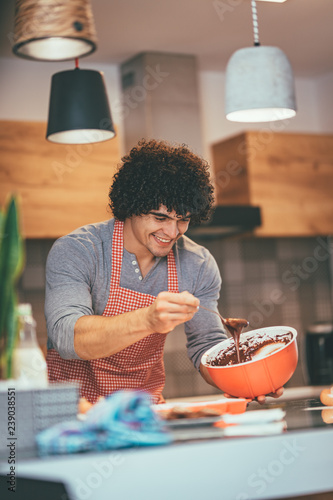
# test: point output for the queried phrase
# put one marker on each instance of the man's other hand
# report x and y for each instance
(262, 399)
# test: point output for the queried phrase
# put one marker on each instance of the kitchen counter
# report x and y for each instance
(288, 395)
(297, 461)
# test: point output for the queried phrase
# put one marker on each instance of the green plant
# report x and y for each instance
(11, 267)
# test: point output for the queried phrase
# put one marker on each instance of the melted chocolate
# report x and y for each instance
(235, 327)
(247, 348)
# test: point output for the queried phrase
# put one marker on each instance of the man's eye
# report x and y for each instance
(159, 218)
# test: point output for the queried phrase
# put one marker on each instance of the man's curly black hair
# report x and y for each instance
(155, 173)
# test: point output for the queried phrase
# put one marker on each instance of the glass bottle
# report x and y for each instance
(29, 365)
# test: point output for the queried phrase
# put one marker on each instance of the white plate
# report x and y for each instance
(191, 422)
(256, 417)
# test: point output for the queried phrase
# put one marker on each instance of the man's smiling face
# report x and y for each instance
(158, 230)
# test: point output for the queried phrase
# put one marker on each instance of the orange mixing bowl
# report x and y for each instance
(257, 377)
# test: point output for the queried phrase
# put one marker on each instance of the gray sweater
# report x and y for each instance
(78, 272)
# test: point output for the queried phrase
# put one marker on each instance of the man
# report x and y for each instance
(115, 289)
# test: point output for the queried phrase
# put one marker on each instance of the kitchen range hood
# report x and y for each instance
(160, 96)
(227, 220)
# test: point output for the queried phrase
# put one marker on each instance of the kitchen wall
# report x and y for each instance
(25, 87)
(31, 287)
(260, 279)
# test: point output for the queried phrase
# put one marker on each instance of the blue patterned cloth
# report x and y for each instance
(121, 420)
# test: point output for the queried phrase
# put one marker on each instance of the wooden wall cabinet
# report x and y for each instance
(290, 176)
(61, 187)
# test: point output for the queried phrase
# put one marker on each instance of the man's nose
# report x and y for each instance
(172, 229)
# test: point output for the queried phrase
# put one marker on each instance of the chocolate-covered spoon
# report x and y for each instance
(233, 325)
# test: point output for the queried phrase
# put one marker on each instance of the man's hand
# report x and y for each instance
(100, 336)
(262, 399)
(169, 310)
(276, 394)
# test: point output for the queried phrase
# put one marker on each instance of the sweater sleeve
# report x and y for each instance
(69, 278)
(205, 329)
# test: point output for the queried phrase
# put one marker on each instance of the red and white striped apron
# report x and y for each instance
(138, 366)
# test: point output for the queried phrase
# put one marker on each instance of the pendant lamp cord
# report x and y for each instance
(255, 23)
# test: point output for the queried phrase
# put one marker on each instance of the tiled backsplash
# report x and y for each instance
(285, 281)
(32, 284)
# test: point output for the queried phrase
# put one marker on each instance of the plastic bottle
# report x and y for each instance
(29, 365)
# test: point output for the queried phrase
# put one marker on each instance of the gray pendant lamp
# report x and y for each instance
(79, 111)
(259, 83)
(53, 30)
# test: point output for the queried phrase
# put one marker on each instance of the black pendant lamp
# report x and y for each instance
(79, 111)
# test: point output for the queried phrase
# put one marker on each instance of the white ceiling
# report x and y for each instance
(210, 29)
